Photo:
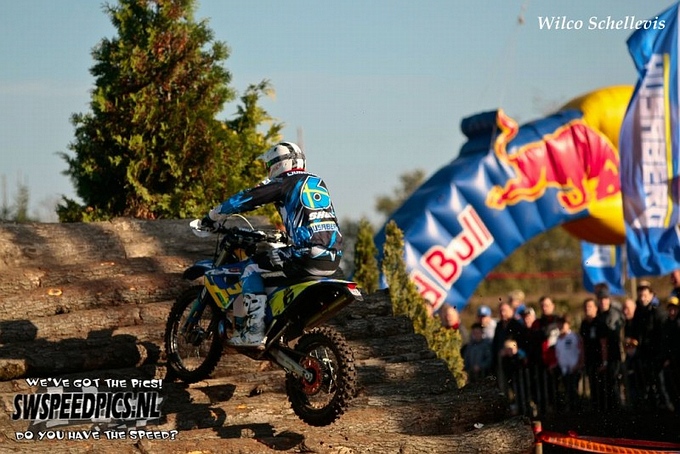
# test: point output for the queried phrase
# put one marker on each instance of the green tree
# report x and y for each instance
(350, 230)
(152, 145)
(410, 181)
(405, 297)
(21, 204)
(18, 211)
(5, 211)
(365, 262)
(406, 300)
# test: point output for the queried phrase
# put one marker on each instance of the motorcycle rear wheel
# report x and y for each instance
(192, 353)
(326, 397)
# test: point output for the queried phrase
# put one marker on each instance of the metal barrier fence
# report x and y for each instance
(535, 391)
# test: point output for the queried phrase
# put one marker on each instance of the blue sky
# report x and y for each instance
(378, 87)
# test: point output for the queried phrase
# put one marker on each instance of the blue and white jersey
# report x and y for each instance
(304, 203)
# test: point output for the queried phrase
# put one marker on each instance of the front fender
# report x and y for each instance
(197, 270)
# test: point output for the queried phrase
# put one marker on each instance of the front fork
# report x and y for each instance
(196, 311)
(195, 314)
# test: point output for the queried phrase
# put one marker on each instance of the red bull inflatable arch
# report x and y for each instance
(508, 184)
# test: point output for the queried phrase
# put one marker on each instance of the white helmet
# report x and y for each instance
(282, 157)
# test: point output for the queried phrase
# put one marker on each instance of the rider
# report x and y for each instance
(305, 206)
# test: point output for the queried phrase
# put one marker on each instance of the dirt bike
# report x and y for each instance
(319, 364)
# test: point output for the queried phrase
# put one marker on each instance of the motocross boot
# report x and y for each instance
(252, 333)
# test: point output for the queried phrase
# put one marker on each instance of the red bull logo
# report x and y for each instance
(446, 263)
(575, 159)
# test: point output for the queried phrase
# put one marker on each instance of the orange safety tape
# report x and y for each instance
(592, 446)
(628, 441)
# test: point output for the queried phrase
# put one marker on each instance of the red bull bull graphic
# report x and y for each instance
(508, 184)
(579, 162)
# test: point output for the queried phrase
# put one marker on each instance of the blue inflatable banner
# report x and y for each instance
(649, 150)
(602, 263)
(507, 185)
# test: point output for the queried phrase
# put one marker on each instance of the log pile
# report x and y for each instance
(90, 300)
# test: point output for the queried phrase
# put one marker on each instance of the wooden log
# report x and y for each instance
(82, 324)
(512, 436)
(433, 371)
(37, 244)
(18, 280)
(375, 327)
(104, 294)
(374, 305)
(43, 358)
(393, 346)
(209, 431)
(146, 324)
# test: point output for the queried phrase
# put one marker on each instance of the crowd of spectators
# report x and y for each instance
(615, 353)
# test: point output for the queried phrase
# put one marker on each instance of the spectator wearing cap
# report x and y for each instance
(485, 319)
(648, 321)
(670, 355)
(519, 313)
(528, 314)
(528, 340)
(613, 320)
(528, 317)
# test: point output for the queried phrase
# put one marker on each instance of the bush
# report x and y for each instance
(365, 262)
(406, 300)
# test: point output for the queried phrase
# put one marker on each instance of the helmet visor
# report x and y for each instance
(271, 162)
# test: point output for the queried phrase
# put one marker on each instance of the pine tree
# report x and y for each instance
(407, 301)
(405, 297)
(22, 203)
(365, 263)
(152, 145)
(18, 212)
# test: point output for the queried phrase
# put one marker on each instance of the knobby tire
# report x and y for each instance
(343, 383)
(176, 365)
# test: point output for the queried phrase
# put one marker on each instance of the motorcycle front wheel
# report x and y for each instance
(193, 349)
(322, 400)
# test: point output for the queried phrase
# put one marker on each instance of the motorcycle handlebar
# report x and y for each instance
(258, 235)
